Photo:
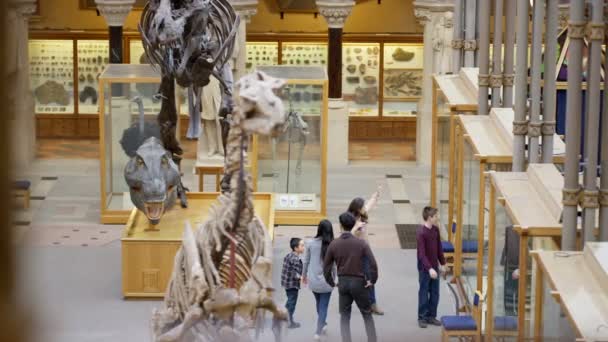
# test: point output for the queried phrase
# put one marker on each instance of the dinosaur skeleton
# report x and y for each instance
(189, 40)
(222, 273)
(296, 122)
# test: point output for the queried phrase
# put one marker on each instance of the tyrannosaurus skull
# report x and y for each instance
(152, 177)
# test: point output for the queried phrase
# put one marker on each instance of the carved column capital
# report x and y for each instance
(423, 16)
(564, 15)
(424, 11)
(115, 11)
(25, 8)
(335, 12)
(245, 9)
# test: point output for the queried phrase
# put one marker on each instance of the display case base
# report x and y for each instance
(148, 251)
(298, 218)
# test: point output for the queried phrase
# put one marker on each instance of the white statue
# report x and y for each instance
(210, 142)
(442, 37)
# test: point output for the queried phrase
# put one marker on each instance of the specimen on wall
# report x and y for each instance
(402, 83)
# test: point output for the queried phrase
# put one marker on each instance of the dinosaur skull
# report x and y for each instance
(262, 110)
(152, 177)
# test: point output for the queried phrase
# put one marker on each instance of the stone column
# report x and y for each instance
(115, 12)
(245, 9)
(335, 13)
(436, 18)
(21, 100)
(572, 188)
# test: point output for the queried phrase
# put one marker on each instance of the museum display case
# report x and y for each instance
(567, 309)
(92, 59)
(524, 215)
(293, 165)
(125, 100)
(484, 143)
(452, 95)
(402, 79)
(304, 54)
(385, 106)
(52, 75)
(361, 78)
(261, 53)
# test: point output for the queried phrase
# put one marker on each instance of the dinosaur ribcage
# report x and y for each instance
(244, 257)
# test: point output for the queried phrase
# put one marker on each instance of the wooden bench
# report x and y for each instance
(21, 188)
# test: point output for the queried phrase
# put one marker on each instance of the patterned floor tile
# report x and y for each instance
(71, 234)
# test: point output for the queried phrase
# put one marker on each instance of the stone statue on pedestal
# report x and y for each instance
(210, 143)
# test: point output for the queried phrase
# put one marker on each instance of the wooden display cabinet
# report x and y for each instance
(532, 203)
(148, 255)
(482, 143)
(584, 301)
(452, 95)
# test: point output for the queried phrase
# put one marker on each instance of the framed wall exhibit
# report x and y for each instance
(394, 116)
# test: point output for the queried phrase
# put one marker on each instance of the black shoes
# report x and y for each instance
(293, 325)
(423, 323)
(433, 321)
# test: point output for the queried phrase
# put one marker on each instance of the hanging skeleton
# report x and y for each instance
(222, 273)
(294, 122)
(189, 40)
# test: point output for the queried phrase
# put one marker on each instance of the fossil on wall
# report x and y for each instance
(402, 83)
(401, 55)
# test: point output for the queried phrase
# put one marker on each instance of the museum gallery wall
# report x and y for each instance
(385, 108)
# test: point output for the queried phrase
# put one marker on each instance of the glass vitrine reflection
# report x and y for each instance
(470, 219)
(123, 115)
(292, 165)
(443, 159)
(505, 274)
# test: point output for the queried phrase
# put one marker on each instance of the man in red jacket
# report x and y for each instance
(430, 265)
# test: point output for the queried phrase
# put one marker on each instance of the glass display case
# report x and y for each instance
(92, 59)
(293, 165)
(402, 79)
(470, 200)
(261, 53)
(306, 54)
(137, 54)
(52, 75)
(361, 78)
(120, 86)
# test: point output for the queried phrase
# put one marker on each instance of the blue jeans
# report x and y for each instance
(322, 300)
(372, 294)
(292, 299)
(428, 296)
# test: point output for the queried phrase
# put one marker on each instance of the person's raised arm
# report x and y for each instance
(370, 204)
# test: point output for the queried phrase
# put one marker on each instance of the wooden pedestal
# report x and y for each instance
(148, 251)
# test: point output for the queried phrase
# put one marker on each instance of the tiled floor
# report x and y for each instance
(397, 150)
(72, 261)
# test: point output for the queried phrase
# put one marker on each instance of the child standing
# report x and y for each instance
(291, 276)
(430, 265)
